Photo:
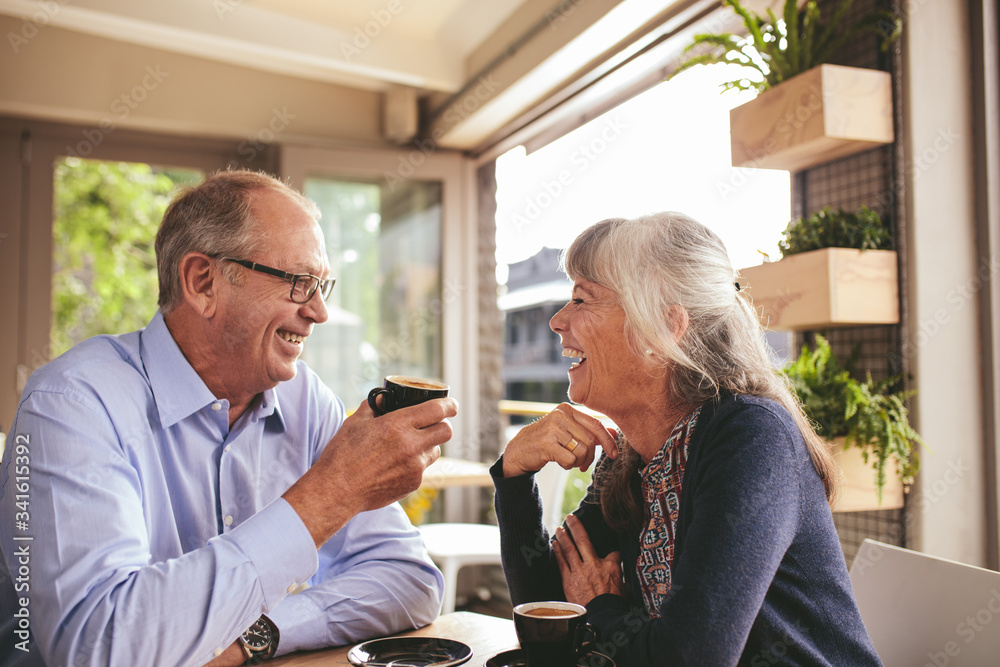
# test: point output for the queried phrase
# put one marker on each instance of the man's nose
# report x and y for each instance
(316, 308)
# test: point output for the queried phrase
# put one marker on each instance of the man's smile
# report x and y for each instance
(295, 339)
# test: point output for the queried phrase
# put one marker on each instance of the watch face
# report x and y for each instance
(258, 636)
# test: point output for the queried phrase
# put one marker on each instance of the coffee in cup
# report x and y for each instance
(550, 611)
(552, 633)
(400, 391)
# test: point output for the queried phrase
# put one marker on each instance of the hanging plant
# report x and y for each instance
(779, 49)
(836, 228)
(869, 415)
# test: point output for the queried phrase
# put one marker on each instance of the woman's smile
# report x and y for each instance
(574, 354)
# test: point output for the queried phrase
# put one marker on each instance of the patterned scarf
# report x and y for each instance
(661, 488)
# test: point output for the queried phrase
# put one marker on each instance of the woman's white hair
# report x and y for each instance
(659, 261)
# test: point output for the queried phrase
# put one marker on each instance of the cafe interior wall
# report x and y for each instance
(866, 179)
(948, 175)
(943, 162)
(921, 185)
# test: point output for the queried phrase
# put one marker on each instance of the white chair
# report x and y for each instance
(452, 546)
(924, 610)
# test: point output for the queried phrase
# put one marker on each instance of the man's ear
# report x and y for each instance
(199, 278)
(677, 320)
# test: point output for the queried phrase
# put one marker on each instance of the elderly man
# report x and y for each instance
(166, 491)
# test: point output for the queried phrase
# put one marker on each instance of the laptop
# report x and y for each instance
(924, 611)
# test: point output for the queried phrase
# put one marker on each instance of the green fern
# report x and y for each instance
(869, 415)
(777, 49)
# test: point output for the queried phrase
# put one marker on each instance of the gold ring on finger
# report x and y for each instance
(572, 444)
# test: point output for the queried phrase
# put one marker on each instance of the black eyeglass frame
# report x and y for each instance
(324, 287)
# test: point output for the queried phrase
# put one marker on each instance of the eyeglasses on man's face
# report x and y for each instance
(304, 285)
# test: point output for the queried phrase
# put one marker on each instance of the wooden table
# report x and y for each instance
(487, 635)
(447, 472)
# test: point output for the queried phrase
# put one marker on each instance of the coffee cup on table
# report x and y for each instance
(552, 633)
(400, 391)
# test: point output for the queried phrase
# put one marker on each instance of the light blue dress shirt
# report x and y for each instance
(153, 534)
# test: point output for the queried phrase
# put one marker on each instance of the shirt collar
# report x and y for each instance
(270, 406)
(177, 388)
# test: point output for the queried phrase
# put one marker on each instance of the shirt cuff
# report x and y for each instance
(280, 548)
(300, 621)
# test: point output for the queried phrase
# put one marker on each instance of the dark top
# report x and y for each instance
(758, 575)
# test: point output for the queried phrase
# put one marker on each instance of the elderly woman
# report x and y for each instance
(706, 537)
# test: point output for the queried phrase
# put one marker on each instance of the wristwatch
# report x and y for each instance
(260, 641)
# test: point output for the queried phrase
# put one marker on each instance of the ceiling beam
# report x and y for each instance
(368, 55)
(571, 40)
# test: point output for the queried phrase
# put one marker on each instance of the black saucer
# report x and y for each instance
(411, 651)
(515, 658)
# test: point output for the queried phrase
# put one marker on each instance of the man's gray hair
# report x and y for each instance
(214, 218)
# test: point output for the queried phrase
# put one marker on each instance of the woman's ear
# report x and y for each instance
(198, 277)
(677, 320)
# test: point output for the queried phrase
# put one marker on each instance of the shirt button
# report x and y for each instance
(291, 588)
(217, 652)
(228, 520)
(216, 406)
(228, 447)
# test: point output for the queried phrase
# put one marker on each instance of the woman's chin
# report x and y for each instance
(575, 395)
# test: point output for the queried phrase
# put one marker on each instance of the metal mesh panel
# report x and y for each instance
(863, 49)
(876, 347)
(887, 526)
(850, 183)
(872, 179)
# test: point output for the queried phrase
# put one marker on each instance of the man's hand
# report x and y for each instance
(584, 574)
(231, 657)
(370, 463)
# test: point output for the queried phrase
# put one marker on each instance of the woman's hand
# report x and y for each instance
(584, 574)
(565, 436)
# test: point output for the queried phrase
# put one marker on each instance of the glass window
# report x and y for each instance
(105, 217)
(666, 149)
(384, 244)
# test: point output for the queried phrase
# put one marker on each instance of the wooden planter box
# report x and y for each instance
(825, 288)
(857, 492)
(825, 113)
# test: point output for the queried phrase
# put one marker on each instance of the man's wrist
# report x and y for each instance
(260, 641)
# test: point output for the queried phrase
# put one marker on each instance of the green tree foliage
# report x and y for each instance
(104, 266)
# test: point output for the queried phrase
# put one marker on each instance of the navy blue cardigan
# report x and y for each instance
(758, 576)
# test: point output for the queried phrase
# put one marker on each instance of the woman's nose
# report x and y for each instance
(558, 321)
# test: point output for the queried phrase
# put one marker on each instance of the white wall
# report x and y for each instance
(944, 280)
